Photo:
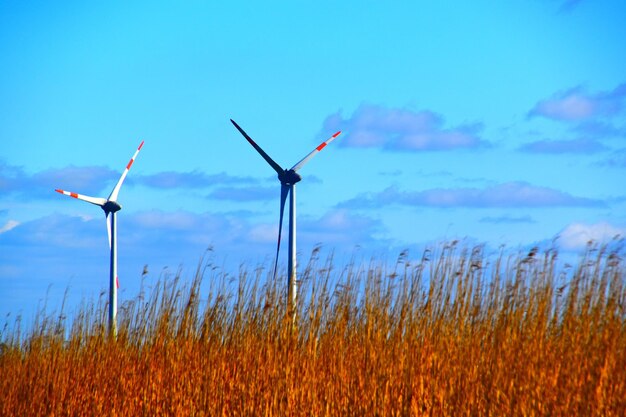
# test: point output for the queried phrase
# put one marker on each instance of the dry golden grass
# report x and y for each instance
(453, 334)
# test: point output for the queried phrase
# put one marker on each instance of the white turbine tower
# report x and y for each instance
(110, 207)
(288, 179)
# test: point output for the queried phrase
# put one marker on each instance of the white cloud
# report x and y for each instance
(577, 235)
(88, 180)
(571, 106)
(264, 233)
(8, 226)
(577, 105)
(510, 194)
(402, 129)
(579, 146)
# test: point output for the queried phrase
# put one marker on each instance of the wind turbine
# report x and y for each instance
(110, 207)
(288, 179)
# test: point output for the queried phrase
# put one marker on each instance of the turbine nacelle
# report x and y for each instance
(289, 177)
(111, 207)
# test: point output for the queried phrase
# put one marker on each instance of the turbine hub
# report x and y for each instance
(111, 207)
(289, 177)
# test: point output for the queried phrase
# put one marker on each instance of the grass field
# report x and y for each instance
(453, 333)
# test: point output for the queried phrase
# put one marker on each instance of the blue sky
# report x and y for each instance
(501, 123)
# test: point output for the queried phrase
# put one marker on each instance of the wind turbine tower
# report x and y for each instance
(288, 179)
(110, 206)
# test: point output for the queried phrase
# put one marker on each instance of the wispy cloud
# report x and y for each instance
(192, 179)
(569, 5)
(510, 194)
(576, 104)
(155, 235)
(182, 229)
(598, 129)
(11, 224)
(616, 159)
(507, 219)
(245, 193)
(583, 146)
(335, 228)
(402, 130)
(14, 180)
(56, 230)
(341, 227)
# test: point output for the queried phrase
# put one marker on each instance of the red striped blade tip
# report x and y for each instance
(140, 145)
(59, 191)
(337, 134)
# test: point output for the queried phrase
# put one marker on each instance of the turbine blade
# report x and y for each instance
(321, 146)
(116, 190)
(265, 156)
(93, 200)
(109, 228)
(284, 192)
